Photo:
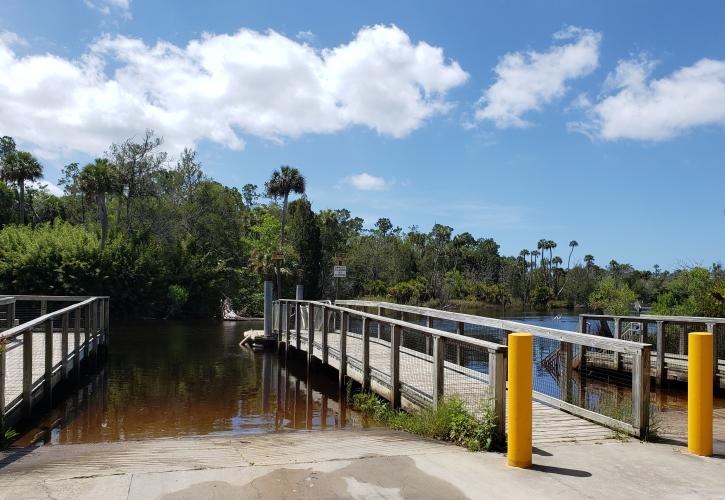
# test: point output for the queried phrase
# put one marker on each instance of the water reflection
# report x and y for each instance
(169, 379)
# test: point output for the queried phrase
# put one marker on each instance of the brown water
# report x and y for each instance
(169, 379)
(173, 378)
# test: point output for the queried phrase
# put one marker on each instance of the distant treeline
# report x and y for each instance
(163, 239)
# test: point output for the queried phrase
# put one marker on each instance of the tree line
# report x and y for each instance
(164, 239)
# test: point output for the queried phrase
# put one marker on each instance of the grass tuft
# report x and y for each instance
(450, 421)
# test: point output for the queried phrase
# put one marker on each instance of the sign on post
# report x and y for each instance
(339, 272)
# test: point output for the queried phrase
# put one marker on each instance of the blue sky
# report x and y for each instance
(601, 122)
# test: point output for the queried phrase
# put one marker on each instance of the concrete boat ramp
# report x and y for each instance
(361, 464)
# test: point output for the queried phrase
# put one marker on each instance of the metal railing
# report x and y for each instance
(668, 336)
(45, 348)
(572, 371)
(410, 365)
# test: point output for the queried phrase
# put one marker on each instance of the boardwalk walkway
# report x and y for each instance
(550, 425)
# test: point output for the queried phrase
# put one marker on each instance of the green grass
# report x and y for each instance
(450, 421)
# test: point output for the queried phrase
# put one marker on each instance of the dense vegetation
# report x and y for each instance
(162, 238)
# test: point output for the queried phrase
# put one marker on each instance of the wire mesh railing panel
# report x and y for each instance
(416, 366)
(467, 381)
(720, 343)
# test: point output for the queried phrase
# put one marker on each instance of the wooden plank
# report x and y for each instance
(48, 377)
(661, 369)
(310, 334)
(565, 371)
(660, 317)
(365, 355)
(87, 331)
(497, 380)
(64, 347)
(3, 381)
(325, 324)
(460, 330)
(27, 372)
(641, 393)
(395, 334)
(77, 343)
(342, 370)
(439, 356)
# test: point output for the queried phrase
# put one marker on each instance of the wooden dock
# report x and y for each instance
(40, 353)
(423, 377)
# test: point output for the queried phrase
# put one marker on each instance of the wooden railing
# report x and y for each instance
(21, 386)
(295, 322)
(587, 346)
(667, 360)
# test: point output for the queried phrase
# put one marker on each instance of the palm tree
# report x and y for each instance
(17, 168)
(524, 253)
(96, 180)
(535, 254)
(284, 181)
(572, 245)
(589, 260)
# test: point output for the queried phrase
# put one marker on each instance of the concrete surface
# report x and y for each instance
(345, 464)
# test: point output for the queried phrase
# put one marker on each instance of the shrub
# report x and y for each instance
(449, 421)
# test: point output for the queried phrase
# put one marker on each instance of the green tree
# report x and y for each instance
(96, 180)
(284, 181)
(18, 167)
(613, 297)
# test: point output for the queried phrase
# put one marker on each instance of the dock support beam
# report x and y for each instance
(395, 337)
(439, 356)
(641, 367)
(343, 348)
(699, 394)
(268, 310)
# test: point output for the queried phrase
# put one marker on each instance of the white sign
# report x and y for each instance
(340, 272)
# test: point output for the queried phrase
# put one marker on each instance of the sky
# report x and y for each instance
(600, 122)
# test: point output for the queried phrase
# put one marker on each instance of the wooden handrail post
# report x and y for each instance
(310, 334)
(325, 325)
(429, 324)
(77, 343)
(366, 354)
(582, 324)
(715, 381)
(380, 325)
(660, 368)
(565, 367)
(287, 325)
(640, 391)
(87, 327)
(48, 377)
(618, 335)
(460, 330)
(64, 347)
(3, 372)
(298, 325)
(343, 348)
(439, 356)
(27, 372)
(395, 339)
(11, 315)
(497, 367)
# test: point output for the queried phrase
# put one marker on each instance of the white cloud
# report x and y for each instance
(525, 81)
(306, 36)
(107, 7)
(367, 182)
(47, 185)
(635, 106)
(221, 87)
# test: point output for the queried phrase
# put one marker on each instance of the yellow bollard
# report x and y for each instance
(520, 355)
(699, 394)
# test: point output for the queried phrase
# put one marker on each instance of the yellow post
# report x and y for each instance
(520, 355)
(699, 394)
